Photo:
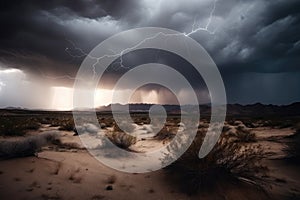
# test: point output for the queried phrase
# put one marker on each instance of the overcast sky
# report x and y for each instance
(255, 43)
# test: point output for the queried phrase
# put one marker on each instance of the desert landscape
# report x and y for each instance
(144, 99)
(42, 157)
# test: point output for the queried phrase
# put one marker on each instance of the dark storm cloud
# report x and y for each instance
(259, 36)
(35, 34)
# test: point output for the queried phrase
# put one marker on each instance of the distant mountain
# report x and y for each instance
(14, 108)
(257, 109)
(253, 110)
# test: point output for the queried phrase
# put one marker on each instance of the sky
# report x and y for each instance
(254, 43)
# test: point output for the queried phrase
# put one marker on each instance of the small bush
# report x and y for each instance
(25, 147)
(227, 160)
(121, 139)
(67, 145)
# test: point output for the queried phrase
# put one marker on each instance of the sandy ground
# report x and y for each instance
(75, 174)
(68, 175)
(285, 177)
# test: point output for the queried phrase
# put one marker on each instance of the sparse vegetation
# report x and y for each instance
(67, 125)
(239, 132)
(122, 139)
(16, 126)
(235, 158)
(28, 146)
(165, 133)
(227, 160)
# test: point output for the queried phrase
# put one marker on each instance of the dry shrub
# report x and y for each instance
(228, 160)
(27, 146)
(166, 133)
(69, 145)
(16, 126)
(122, 139)
(244, 134)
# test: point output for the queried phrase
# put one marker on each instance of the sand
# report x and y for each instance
(75, 174)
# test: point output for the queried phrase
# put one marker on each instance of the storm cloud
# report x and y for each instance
(255, 44)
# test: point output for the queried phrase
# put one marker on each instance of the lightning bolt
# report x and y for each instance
(206, 27)
(82, 53)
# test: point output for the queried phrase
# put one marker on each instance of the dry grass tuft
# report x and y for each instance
(227, 160)
(25, 147)
(122, 139)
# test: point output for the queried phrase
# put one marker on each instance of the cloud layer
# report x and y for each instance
(255, 43)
